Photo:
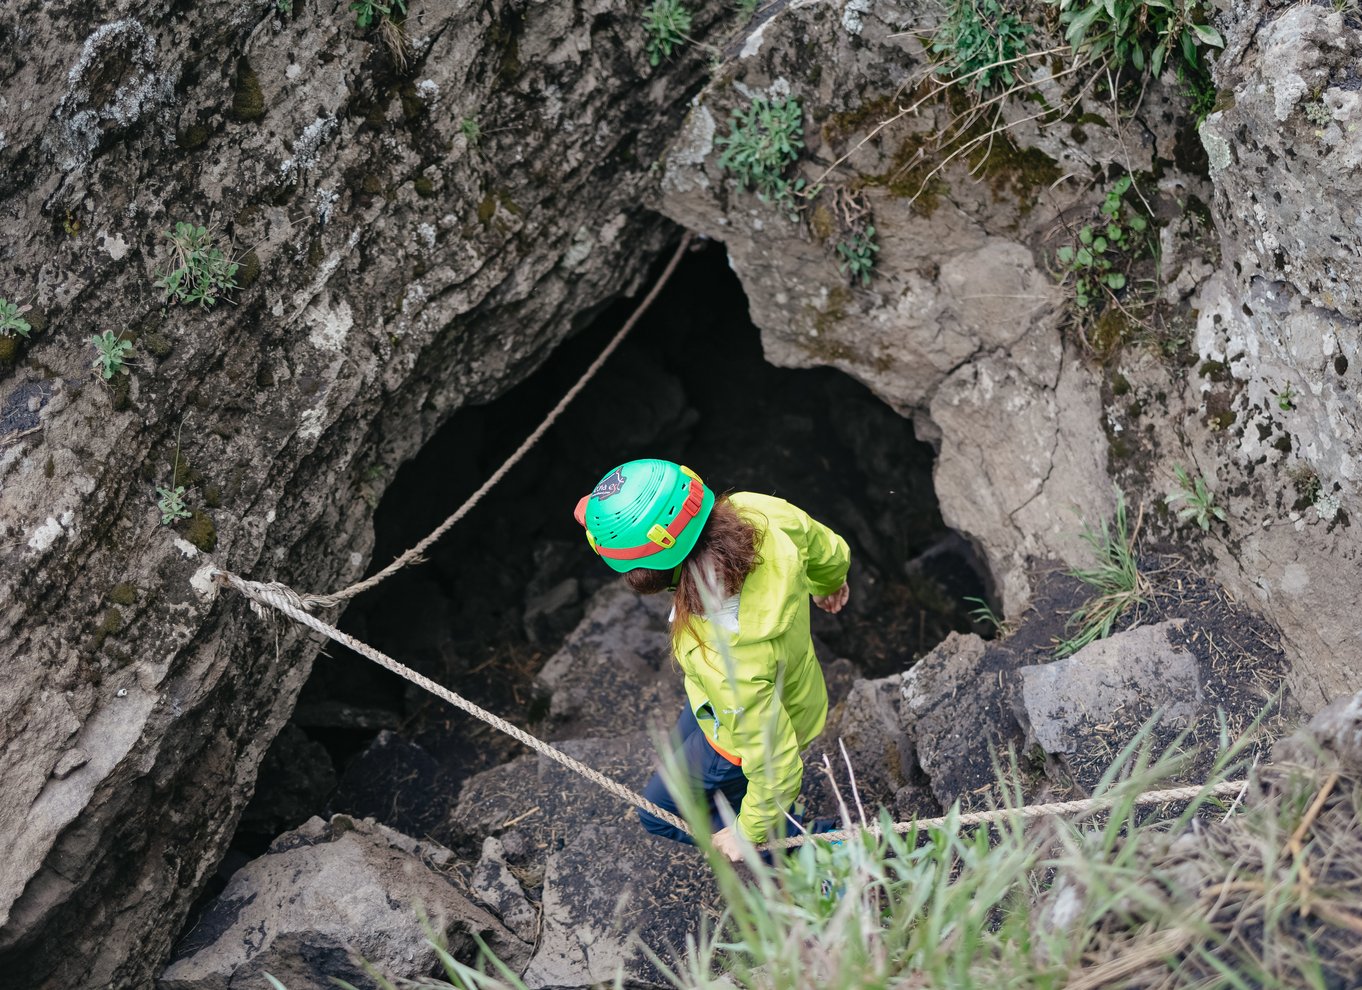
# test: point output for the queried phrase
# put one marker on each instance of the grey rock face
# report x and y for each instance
(327, 897)
(1283, 318)
(868, 724)
(394, 270)
(960, 325)
(614, 673)
(1123, 679)
(956, 714)
(608, 886)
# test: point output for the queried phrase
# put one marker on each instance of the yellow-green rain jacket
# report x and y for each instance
(772, 703)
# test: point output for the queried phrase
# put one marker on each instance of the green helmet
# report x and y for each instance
(645, 513)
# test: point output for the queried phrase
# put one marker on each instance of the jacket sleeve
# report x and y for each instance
(760, 733)
(827, 556)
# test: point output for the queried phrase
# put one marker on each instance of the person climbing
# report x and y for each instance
(741, 569)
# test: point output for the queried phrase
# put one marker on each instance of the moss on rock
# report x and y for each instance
(200, 531)
(110, 625)
(248, 101)
(123, 593)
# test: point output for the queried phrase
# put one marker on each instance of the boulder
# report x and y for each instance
(296, 777)
(396, 783)
(1097, 699)
(609, 889)
(325, 900)
(867, 722)
(956, 715)
(615, 673)
(1279, 333)
(495, 885)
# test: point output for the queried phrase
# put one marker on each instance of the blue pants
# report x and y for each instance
(705, 771)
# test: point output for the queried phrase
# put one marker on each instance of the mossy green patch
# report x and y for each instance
(9, 349)
(1010, 169)
(248, 101)
(212, 496)
(121, 387)
(1216, 371)
(184, 473)
(821, 222)
(424, 187)
(49, 468)
(110, 625)
(247, 270)
(839, 128)
(1109, 331)
(195, 136)
(315, 254)
(123, 593)
(158, 345)
(834, 312)
(372, 185)
(200, 531)
(412, 105)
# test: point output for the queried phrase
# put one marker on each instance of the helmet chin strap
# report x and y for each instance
(676, 576)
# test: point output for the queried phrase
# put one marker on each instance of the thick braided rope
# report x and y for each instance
(280, 597)
(1029, 811)
(414, 554)
(285, 600)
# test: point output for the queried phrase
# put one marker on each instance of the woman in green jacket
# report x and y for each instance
(741, 569)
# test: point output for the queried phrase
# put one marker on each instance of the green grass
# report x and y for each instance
(199, 271)
(1201, 895)
(667, 24)
(980, 42)
(764, 140)
(1198, 501)
(1115, 578)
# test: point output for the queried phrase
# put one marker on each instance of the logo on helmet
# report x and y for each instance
(611, 484)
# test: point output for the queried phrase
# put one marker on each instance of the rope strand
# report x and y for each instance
(414, 554)
(279, 597)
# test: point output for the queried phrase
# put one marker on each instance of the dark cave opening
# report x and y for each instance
(498, 594)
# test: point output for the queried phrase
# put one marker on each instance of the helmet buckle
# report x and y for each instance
(657, 534)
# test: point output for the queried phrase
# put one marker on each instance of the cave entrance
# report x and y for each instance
(498, 594)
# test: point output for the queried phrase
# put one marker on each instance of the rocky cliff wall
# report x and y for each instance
(415, 233)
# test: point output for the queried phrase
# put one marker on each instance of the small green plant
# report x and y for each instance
(667, 23)
(1141, 33)
(1317, 112)
(1199, 500)
(764, 139)
(1286, 398)
(1116, 578)
(200, 272)
(471, 130)
(1095, 262)
(858, 255)
(370, 12)
(111, 353)
(12, 323)
(984, 615)
(980, 41)
(1307, 485)
(284, 7)
(747, 8)
(171, 503)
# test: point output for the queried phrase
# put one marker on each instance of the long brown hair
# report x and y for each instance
(726, 549)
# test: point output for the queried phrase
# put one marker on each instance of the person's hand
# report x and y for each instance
(726, 841)
(833, 603)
